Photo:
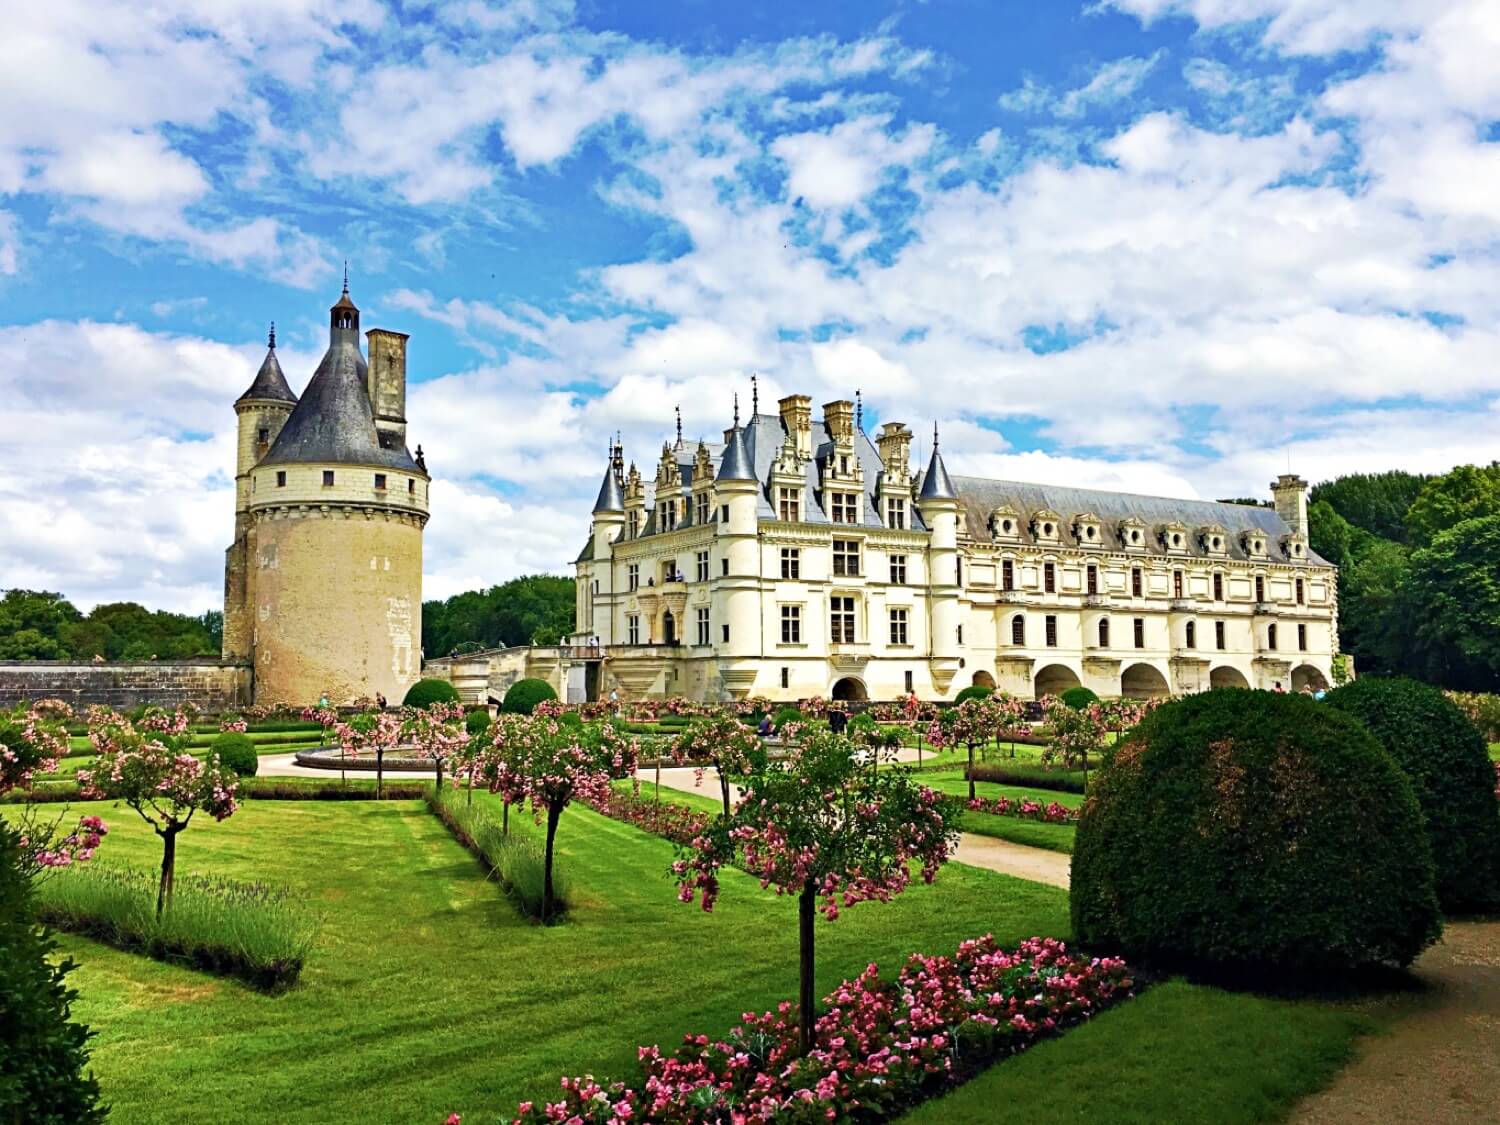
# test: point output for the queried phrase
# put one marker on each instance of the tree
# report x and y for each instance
(817, 825)
(32, 740)
(1465, 493)
(371, 732)
(164, 785)
(540, 760)
(971, 723)
(732, 748)
(1455, 586)
(1373, 502)
(1076, 731)
(533, 609)
(436, 732)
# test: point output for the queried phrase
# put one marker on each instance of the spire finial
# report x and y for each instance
(934, 437)
(859, 411)
(346, 276)
(271, 339)
(679, 426)
(754, 396)
(736, 409)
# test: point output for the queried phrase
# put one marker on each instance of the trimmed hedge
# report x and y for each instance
(424, 693)
(1448, 762)
(522, 696)
(973, 691)
(1078, 698)
(786, 715)
(476, 722)
(237, 752)
(1258, 833)
(1034, 776)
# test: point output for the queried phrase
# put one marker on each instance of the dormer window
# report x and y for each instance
(895, 512)
(1173, 537)
(1212, 539)
(1254, 543)
(1087, 530)
(843, 507)
(789, 504)
(1293, 547)
(1005, 523)
(1046, 525)
(1132, 534)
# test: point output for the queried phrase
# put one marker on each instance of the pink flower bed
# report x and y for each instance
(1025, 808)
(880, 1046)
(677, 823)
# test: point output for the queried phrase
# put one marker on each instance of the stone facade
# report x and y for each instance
(819, 564)
(323, 582)
(160, 683)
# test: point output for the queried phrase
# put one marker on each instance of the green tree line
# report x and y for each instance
(40, 625)
(534, 609)
(1419, 571)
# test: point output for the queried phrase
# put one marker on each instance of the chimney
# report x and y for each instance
(895, 449)
(387, 381)
(1290, 492)
(838, 417)
(796, 416)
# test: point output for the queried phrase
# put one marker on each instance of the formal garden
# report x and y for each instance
(533, 926)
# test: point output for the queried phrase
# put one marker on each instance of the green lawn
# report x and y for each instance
(426, 993)
(1180, 1052)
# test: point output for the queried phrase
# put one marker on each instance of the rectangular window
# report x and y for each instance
(958, 570)
(898, 570)
(280, 478)
(791, 625)
(1103, 632)
(700, 502)
(666, 515)
(1137, 582)
(1018, 629)
(1260, 588)
(898, 626)
(411, 487)
(1301, 638)
(633, 628)
(703, 625)
(960, 634)
(263, 435)
(1271, 637)
(702, 564)
(908, 677)
(1007, 575)
(724, 514)
(1140, 632)
(1177, 583)
(895, 512)
(1049, 577)
(1219, 635)
(724, 632)
(635, 524)
(841, 620)
(1191, 634)
(1301, 593)
(791, 563)
(1051, 630)
(724, 567)
(1092, 580)
(1218, 587)
(669, 571)
(789, 505)
(843, 507)
(786, 677)
(327, 478)
(846, 558)
(380, 482)
(633, 576)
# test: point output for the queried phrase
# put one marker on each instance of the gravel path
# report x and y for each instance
(1440, 1062)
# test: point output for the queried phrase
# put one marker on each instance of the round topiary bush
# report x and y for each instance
(786, 715)
(522, 696)
(1445, 757)
(477, 721)
(974, 691)
(1251, 831)
(1078, 698)
(237, 752)
(424, 693)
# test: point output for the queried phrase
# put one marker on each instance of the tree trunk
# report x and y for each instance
(552, 816)
(168, 869)
(470, 799)
(658, 777)
(806, 911)
(1085, 771)
(971, 771)
(379, 773)
(724, 789)
(504, 817)
(438, 787)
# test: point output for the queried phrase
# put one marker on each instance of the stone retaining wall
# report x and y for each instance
(163, 683)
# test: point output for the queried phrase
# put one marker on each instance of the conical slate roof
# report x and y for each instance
(736, 464)
(936, 483)
(611, 498)
(269, 382)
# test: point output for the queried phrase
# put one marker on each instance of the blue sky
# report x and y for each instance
(1165, 245)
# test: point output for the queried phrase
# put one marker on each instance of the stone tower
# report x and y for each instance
(323, 585)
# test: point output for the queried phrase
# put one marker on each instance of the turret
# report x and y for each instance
(609, 508)
(736, 488)
(938, 503)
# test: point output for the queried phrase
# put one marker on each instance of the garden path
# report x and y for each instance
(1440, 1062)
(285, 765)
(1035, 864)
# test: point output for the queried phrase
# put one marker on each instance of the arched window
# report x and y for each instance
(1103, 632)
(1192, 634)
(1018, 629)
(1271, 637)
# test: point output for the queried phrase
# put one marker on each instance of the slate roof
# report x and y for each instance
(269, 382)
(611, 497)
(734, 463)
(936, 483)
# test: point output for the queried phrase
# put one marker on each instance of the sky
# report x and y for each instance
(1170, 246)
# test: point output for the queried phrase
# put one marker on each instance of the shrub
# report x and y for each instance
(43, 1052)
(570, 719)
(785, 715)
(237, 752)
(1250, 831)
(252, 931)
(516, 861)
(1032, 775)
(522, 696)
(1448, 763)
(477, 721)
(1078, 698)
(974, 691)
(424, 693)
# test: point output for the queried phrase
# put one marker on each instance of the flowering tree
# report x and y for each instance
(549, 764)
(1009, 715)
(32, 740)
(161, 781)
(370, 732)
(729, 745)
(230, 723)
(1076, 732)
(817, 825)
(436, 732)
(970, 723)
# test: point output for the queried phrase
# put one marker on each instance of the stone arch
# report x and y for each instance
(1307, 676)
(1054, 679)
(850, 689)
(1143, 681)
(983, 679)
(1226, 675)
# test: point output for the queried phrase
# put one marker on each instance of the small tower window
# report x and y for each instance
(327, 478)
(411, 487)
(280, 478)
(380, 482)
(1192, 635)
(263, 435)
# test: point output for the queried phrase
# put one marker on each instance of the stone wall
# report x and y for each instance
(164, 683)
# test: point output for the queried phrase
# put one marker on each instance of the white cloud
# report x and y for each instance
(1114, 81)
(841, 166)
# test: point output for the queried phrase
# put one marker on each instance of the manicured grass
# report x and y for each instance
(1180, 1052)
(1053, 837)
(426, 993)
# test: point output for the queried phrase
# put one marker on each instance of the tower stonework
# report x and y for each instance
(323, 584)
